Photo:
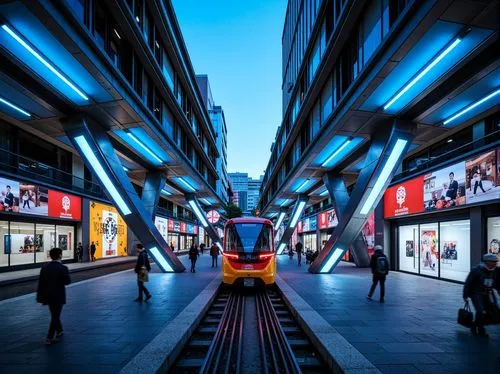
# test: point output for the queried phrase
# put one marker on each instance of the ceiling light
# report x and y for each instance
(472, 106)
(143, 146)
(296, 214)
(15, 107)
(337, 151)
(281, 217)
(303, 185)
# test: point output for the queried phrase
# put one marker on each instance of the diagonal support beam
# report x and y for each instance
(387, 150)
(153, 184)
(94, 146)
(200, 214)
(337, 189)
(297, 210)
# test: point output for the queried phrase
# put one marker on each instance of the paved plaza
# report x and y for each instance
(415, 331)
(103, 327)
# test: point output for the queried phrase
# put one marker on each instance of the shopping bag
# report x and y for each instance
(143, 275)
(465, 316)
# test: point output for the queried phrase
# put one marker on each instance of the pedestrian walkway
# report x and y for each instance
(103, 327)
(415, 331)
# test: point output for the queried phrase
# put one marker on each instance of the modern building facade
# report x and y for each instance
(247, 189)
(391, 111)
(105, 137)
(253, 195)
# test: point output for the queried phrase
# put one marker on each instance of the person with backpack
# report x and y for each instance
(142, 269)
(380, 268)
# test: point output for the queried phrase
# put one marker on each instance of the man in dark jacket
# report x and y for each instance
(92, 252)
(202, 247)
(214, 252)
(298, 249)
(380, 268)
(479, 288)
(193, 256)
(142, 268)
(54, 276)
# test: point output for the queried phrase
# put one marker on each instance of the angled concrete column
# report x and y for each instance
(387, 150)
(153, 183)
(94, 146)
(337, 189)
(200, 214)
(297, 210)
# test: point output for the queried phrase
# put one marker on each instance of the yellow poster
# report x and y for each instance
(108, 231)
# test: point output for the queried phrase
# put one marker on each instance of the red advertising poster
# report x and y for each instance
(196, 230)
(404, 198)
(170, 225)
(183, 227)
(299, 227)
(63, 205)
(323, 220)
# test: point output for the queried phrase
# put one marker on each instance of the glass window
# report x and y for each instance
(408, 248)
(168, 121)
(314, 60)
(168, 71)
(4, 243)
(316, 114)
(326, 101)
(372, 29)
(248, 237)
(429, 249)
(494, 236)
(22, 243)
(455, 249)
(45, 240)
(65, 236)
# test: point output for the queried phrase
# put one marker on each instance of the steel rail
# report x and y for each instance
(262, 341)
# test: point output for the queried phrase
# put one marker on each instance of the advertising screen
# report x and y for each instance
(33, 199)
(9, 195)
(482, 178)
(162, 226)
(299, 227)
(63, 205)
(323, 220)
(445, 188)
(108, 231)
(404, 198)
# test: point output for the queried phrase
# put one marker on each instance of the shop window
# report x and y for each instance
(494, 237)
(65, 239)
(429, 249)
(454, 249)
(22, 243)
(4, 243)
(45, 240)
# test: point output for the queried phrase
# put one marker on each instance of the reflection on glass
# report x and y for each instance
(4, 243)
(429, 251)
(455, 249)
(65, 239)
(408, 248)
(22, 241)
(45, 239)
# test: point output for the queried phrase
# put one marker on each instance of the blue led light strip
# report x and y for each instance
(160, 259)
(138, 142)
(302, 186)
(186, 184)
(423, 72)
(281, 248)
(15, 107)
(44, 61)
(337, 253)
(165, 192)
(384, 175)
(101, 174)
(281, 217)
(337, 151)
(198, 212)
(297, 213)
(472, 106)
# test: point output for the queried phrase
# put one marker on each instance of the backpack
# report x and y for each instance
(382, 265)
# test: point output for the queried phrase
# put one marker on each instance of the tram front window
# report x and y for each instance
(248, 238)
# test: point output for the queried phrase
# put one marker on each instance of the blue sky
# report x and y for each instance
(238, 44)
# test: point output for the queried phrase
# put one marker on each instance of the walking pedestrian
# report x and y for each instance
(54, 276)
(479, 288)
(214, 252)
(202, 247)
(79, 252)
(298, 249)
(193, 256)
(380, 268)
(142, 268)
(92, 252)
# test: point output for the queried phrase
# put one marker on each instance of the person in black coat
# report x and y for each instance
(142, 268)
(298, 249)
(479, 288)
(54, 276)
(380, 268)
(193, 256)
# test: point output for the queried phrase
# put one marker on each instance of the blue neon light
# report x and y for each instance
(335, 154)
(126, 169)
(15, 107)
(285, 202)
(44, 61)
(334, 258)
(186, 184)
(281, 217)
(303, 185)
(472, 106)
(398, 149)
(423, 72)
(198, 212)
(324, 193)
(297, 213)
(101, 174)
(165, 192)
(138, 142)
(205, 201)
(159, 259)
(281, 248)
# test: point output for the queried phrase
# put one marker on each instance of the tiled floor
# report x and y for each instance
(103, 327)
(415, 331)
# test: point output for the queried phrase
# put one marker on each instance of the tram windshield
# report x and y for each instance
(248, 237)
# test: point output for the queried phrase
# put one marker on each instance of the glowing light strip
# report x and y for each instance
(472, 106)
(44, 61)
(160, 260)
(219, 245)
(101, 174)
(337, 151)
(281, 217)
(384, 175)
(423, 72)
(126, 169)
(186, 184)
(324, 193)
(165, 192)
(297, 214)
(303, 185)
(205, 201)
(281, 248)
(198, 212)
(327, 267)
(143, 146)
(285, 202)
(15, 107)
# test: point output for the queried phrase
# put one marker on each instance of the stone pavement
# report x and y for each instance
(103, 327)
(415, 331)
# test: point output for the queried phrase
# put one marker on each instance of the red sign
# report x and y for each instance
(183, 227)
(323, 220)
(170, 225)
(404, 198)
(213, 216)
(299, 227)
(63, 205)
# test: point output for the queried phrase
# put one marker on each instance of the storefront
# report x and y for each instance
(34, 219)
(307, 227)
(181, 235)
(327, 221)
(432, 217)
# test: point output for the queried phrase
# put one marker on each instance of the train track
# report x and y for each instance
(248, 332)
